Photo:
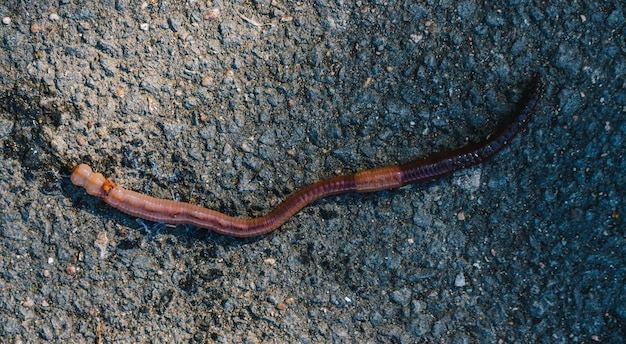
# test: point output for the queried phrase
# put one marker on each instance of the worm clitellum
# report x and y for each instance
(437, 165)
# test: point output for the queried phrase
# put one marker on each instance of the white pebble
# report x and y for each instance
(54, 17)
(144, 26)
(459, 281)
(6, 20)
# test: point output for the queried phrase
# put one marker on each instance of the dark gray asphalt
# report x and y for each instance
(234, 105)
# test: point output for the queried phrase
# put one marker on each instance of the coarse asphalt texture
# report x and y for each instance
(233, 105)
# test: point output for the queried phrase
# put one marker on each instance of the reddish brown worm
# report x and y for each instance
(438, 165)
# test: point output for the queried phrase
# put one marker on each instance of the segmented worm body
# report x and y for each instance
(438, 165)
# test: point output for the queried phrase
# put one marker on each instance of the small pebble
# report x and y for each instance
(366, 82)
(54, 17)
(269, 261)
(401, 296)
(6, 20)
(246, 147)
(101, 244)
(206, 81)
(213, 13)
(183, 34)
(144, 26)
(35, 27)
(28, 302)
(459, 280)
(281, 306)
(70, 270)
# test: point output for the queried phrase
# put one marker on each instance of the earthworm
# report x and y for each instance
(438, 165)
